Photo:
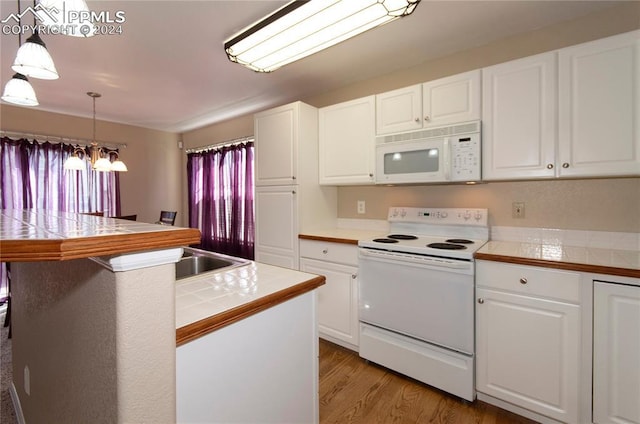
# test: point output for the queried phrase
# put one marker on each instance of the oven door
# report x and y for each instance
(431, 299)
(418, 161)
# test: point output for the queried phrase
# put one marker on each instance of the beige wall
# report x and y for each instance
(154, 181)
(157, 176)
(597, 204)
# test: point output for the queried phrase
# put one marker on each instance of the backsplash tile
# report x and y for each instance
(578, 238)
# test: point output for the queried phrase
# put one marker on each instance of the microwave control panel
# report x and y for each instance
(465, 157)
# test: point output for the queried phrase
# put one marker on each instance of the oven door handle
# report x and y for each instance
(431, 261)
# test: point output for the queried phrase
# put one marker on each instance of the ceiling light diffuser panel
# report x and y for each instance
(302, 28)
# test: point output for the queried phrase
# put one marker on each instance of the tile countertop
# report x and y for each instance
(43, 235)
(597, 260)
(207, 302)
(624, 263)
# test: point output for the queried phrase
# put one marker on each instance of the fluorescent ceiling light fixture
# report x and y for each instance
(56, 13)
(33, 59)
(302, 28)
(19, 91)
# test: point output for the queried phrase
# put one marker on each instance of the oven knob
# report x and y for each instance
(403, 213)
(443, 214)
(467, 215)
(478, 215)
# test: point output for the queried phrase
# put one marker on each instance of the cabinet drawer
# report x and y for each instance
(327, 251)
(536, 281)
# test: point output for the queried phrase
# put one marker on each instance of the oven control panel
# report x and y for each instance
(444, 216)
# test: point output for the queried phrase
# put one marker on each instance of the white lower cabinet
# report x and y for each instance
(338, 297)
(616, 353)
(528, 345)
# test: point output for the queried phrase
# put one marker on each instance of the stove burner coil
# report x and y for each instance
(385, 240)
(402, 237)
(459, 241)
(446, 246)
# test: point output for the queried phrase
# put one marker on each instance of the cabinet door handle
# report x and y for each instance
(550, 166)
(354, 276)
(481, 301)
(565, 165)
(370, 175)
(293, 192)
(325, 251)
(523, 281)
(293, 177)
(426, 118)
(417, 119)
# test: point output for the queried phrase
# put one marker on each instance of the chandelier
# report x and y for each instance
(100, 159)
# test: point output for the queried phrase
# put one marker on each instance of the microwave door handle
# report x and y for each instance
(446, 158)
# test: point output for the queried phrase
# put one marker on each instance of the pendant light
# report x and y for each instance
(99, 159)
(55, 13)
(19, 91)
(33, 59)
(100, 163)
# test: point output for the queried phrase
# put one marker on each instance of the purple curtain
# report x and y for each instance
(220, 186)
(32, 177)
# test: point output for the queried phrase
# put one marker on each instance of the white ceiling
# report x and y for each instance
(168, 71)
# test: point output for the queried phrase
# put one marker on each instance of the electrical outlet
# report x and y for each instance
(517, 210)
(361, 206)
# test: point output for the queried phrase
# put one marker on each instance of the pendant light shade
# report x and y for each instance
(302, 28)
(74, 163)
(55, 13)
(19, 91)
(102, 165)
(33, 59)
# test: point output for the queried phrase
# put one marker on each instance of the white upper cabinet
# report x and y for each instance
(599, 102)
(279, 133)
(347, 142)
(399, 110)
(452, 99)
(519, 118)
(574, 112)
(440, 102)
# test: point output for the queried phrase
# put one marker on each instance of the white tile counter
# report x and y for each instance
(601, 252)
(207, 302)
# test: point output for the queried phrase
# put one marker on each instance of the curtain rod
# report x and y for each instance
(58, 139)
(233, 142)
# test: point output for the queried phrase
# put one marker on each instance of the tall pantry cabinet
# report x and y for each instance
(288, 198)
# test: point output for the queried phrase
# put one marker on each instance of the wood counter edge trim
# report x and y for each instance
(568, 266)
(205, 326)
(327, 239)
(84, 247)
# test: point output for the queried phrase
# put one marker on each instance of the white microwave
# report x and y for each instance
(435, 155)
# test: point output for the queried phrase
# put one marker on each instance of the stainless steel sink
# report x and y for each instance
(196, 261)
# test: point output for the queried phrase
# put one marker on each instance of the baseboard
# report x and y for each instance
(16, 404)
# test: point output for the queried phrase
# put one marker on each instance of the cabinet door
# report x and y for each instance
(451, 100)
(616, 353)
(337, 301)
(277, 226)
(528, 352)
(599, 102)
(519, 118)
(276, 135)
(399, 110)
(347, 142)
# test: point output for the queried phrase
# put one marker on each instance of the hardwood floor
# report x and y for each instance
(355, 391)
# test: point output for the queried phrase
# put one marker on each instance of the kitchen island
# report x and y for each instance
(94, 315)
